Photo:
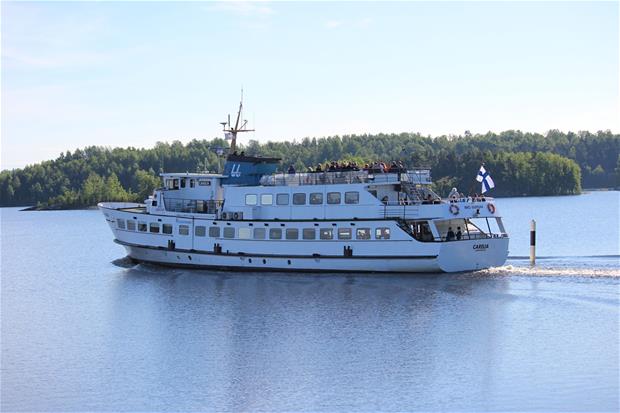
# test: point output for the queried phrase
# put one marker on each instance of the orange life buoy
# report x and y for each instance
(454, 209)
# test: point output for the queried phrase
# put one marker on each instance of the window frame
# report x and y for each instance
(227, 232)
(278, 196)
(120, 223)
(275, 231)
(363, 230)
(357, 197)
(341, 231)
(200, 231)
(244, 233)
(323, 233)
(306, 231)
(248, 196)
(330, 202)
(184, 230)
(315, 198)
(262, 196)
(291, 231)
(382, 233)
(214, 231)
(165, 226)
(296, 195)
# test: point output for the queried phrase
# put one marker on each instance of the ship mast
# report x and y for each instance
(231, 131)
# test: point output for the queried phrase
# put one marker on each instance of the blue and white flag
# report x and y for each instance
(485, 178)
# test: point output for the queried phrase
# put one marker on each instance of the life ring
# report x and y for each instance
(491, 208)
(236, 216)
(454, 209)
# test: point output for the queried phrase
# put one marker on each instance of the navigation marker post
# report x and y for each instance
(533, 243)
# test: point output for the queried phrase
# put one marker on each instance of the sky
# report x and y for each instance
(75, 74)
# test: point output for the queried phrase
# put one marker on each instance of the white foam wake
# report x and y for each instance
(552, 271)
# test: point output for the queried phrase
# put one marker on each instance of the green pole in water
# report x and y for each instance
(533, 243)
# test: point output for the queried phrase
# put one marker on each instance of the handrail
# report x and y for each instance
(197, 206)
(421, 177)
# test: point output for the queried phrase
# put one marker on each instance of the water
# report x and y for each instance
(82, 329)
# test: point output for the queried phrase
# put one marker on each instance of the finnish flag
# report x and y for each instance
(485, 178)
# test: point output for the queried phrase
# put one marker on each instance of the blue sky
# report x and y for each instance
(134, 73)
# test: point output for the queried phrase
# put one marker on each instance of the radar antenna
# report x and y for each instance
(230, 132)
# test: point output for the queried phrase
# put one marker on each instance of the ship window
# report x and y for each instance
(351, 197)
(326, 233)
(131, 225)
(382, 233)
(251, 199)
(316, 198)
(275, 233)
(245, 233)
(292, 233)
(154, 227)
(259, 233)
(344, 233)
(182, 183)
(191, 183)
(299, 198)
(214, 232)
(120, 223)
(166, 228)
(142, 226)
(229, 232)
(200, 231)
(333, 197)
(362, 233)
(282, 199)
(266, 199)
(183, 230)
(175, 184)
(309, 233)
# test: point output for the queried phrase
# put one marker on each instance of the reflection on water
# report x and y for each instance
(83, 329)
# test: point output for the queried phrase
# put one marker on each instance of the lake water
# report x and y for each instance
(83, 330)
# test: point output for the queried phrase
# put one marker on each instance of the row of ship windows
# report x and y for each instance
(299, 198)
(258, 233)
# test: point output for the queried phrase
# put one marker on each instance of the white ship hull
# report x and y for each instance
(399, 254)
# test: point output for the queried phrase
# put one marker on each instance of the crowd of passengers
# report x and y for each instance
(373, 167)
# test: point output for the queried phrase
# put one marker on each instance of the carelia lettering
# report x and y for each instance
(481, 246)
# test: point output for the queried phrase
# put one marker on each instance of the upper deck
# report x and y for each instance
(416, 176)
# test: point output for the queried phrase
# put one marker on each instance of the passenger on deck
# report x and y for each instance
(450, 235)
(454, 194)
(459, 234)
(291, 170)
(319, 168)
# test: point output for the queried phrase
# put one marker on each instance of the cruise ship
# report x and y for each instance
(251, 217)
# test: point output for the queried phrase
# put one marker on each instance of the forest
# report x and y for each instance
(521, 164)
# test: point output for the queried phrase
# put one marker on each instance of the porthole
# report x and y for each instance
(289, 262)
(264, 261)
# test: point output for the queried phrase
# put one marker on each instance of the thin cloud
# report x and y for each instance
(359, 24)
(332, 24)
(244, 8)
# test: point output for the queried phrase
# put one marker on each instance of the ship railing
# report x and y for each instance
(193, 206)
(421, 177)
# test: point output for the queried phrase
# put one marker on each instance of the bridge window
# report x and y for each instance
(131, 225)
(275, 233)
(309, 233)
(292, 233)
(245, 233)
(142, 226)
(251, 199)
(120, 223)
(299, 198)
(166, 228)
(214, 232)
(282, 199)
(351, 197)
(344, 233)
(382, 233)
(326, 233)
(200, 231)
(229, 232)
(259, 233)
(362, 233)
(316, 198)
(183, 183)
(333, 197)
(191, 183)
(183, 229)
(154, 227)
(266, 199)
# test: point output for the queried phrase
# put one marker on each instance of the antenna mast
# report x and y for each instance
(231, 131)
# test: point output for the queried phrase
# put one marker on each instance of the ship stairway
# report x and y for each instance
(412, 191)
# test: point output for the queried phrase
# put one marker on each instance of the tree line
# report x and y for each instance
(520, 163)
